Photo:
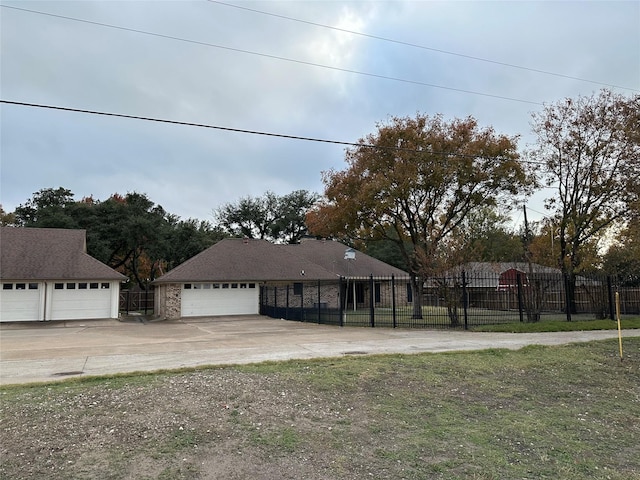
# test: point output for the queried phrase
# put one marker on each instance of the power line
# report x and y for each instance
(422, 47)
(251, 132)
(275, 57)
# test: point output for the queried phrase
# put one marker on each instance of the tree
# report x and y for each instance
(589, 149)
(270, 217)
(290, 224)
(485, 237)
(622, 259)
(414, 182)
(127, 232)
(47, 208)
(7, 219)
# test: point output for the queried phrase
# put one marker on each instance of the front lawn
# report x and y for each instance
(569, 412)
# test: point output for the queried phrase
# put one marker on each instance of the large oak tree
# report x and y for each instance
(589, 149)
(414, 182)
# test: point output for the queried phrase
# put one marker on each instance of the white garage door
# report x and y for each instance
(80, 300)
(211, 299)
(20, 302)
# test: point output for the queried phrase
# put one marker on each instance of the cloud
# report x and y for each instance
(227, 66)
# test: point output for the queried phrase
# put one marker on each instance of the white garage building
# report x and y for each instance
(46, 274)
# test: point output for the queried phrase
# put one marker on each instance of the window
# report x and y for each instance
(225, 285)
(409, 293)
(60, 286)
(206, 286)
(297, 288)
(377, 292)
(252, 285)
(187, 286)
(243, 285)
(93, 286)
(234, 285)
(21, 286)
(216, 285)
(33, 286)
(82, 286)
(7, 286)
(104, 285)
(71, 286)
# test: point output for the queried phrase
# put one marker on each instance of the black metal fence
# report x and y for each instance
(139, 301)
(455, 301)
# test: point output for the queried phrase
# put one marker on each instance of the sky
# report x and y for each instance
(328, 70)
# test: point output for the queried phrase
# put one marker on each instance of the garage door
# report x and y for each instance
(20, 302)
(80, 300)
(211, 299)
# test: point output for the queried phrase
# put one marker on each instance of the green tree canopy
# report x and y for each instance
(271, 217)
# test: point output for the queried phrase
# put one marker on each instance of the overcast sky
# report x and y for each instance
(247, 65)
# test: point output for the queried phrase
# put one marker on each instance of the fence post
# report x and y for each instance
(302, 304)
(612, 311)
(393, 300)
(341, 297)
(465, 300)
(128, 301)
(319, 308)
(372, 320)
(520, 305)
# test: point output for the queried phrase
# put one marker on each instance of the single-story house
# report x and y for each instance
(229, 277)
(46, 274)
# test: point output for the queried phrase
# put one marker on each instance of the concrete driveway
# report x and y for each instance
(37, 352)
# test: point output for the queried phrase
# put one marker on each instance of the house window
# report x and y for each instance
(225, 285)
(409, 293)
(82, 285)
(21, 286)
(216, 285)
(243, 285)
(93, 286)
(206, 286)
(104, 285)
(7, 286)
(234, 285)
(187, 286)
(71, 286)
(252, 285)
(377, 293)
(297, 288)
(59, 286)
(33, 286)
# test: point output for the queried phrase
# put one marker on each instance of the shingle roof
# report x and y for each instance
(260, 260)
(330, 255)
(49, 254)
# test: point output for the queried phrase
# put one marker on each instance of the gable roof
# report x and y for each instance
(259, 260)
(49, 254)
(330, 254)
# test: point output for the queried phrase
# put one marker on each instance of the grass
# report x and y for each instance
(550, 325)
(482, 320)
(539, 412)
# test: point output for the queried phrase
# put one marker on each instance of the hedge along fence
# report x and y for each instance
(457, 301)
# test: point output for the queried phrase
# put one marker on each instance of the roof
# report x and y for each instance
(259, 260)
(481, 274)
(330, 254)
(49, 254)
